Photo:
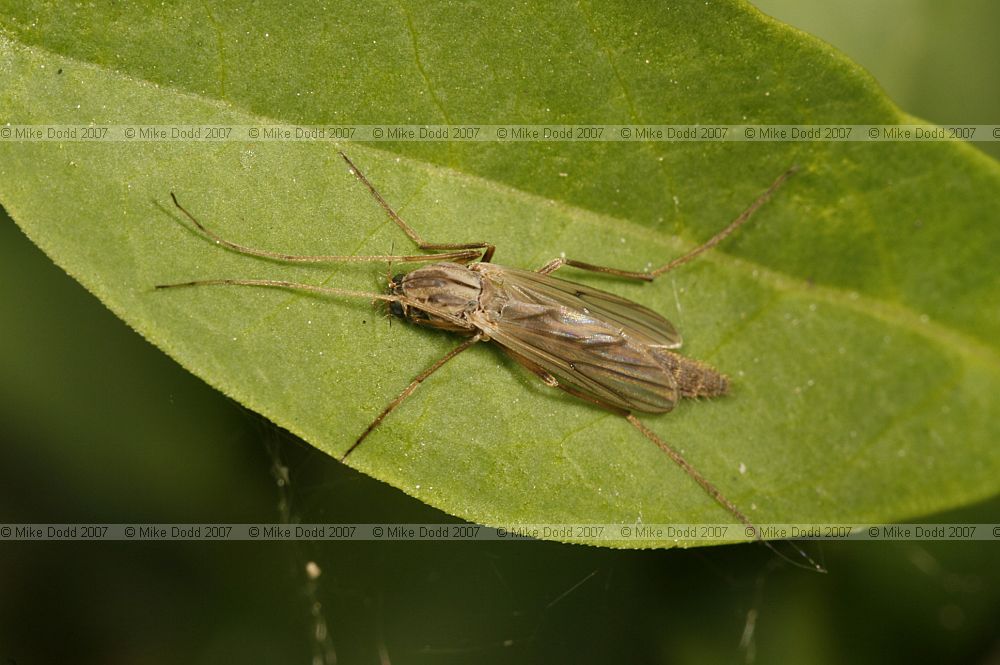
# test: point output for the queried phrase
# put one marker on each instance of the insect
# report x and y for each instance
(592, 344)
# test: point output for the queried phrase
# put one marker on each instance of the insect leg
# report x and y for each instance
(679, 460)
(555, 264)
(409, 391)
(486, 248)
(714, 492)
(460, 256)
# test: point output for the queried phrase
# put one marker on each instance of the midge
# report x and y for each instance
(597, 346)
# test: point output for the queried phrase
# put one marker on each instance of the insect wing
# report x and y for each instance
(595, 345)
(639, 321)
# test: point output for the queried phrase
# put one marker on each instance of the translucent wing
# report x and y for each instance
(638, 320)
(593, 344)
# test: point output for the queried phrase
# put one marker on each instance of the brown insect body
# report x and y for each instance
(590, 343)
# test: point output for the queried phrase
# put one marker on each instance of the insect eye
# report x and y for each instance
(397, 279)
(396, 309)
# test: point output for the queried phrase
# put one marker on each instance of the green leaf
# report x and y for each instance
(856, 314)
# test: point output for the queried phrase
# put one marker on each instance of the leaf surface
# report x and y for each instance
(856, 314)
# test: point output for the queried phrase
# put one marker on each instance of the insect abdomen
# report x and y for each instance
(693, 378)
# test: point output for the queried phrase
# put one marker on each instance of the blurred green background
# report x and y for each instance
(98, 426)
(936, 60)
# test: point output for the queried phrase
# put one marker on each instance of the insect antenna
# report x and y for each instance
(720, 498)
(281, 284)
(388, 268)
(324, 290)
(388, 278)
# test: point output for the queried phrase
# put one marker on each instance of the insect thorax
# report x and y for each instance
(441, 295)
